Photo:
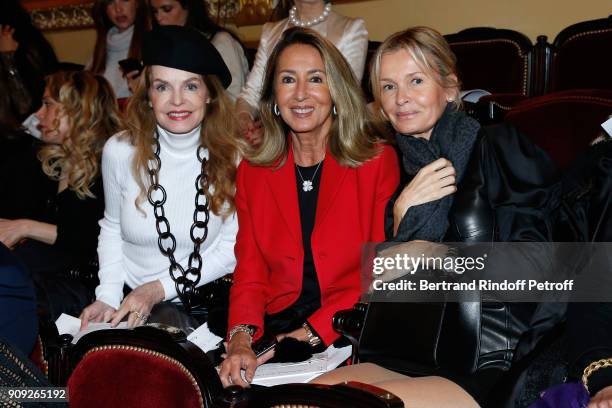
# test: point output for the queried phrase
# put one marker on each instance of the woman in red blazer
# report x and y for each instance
(309, 197)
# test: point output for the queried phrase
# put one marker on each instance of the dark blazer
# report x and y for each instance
(269, 248)
(508, 194)
(509, 191)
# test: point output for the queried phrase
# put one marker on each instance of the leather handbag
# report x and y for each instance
(424, 338)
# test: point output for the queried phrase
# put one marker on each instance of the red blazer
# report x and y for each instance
(269, 250)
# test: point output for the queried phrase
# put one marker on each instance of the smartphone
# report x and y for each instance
(263, 345)
(131, 64)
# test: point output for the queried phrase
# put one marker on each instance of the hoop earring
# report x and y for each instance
(275, 110)
(334, 111)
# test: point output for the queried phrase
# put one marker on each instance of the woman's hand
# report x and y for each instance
(7, 41)
(250, 129)
(432, 182)
(138, 304)
(13, 231)
(132, 80)
(240, 356)
(97, 312)
(603, 399)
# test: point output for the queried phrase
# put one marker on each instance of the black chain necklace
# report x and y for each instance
(185, 287)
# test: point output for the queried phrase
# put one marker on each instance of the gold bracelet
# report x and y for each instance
(310, 337)
(241, 328)
(591, 368)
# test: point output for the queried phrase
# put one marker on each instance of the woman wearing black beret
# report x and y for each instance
(155, 243)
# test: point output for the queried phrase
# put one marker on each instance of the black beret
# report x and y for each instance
(184, 48)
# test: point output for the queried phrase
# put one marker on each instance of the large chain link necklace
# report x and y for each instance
(185, 279)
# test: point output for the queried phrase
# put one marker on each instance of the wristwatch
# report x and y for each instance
(310, 336)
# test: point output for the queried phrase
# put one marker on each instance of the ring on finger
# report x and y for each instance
(141, 316)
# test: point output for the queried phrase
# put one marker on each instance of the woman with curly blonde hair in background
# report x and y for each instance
(78, 115)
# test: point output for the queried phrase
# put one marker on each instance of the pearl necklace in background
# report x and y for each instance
(308, 23)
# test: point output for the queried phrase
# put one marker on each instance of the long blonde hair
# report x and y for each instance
(219, 134)
(429, 50)
(353, 135)
(88, 103)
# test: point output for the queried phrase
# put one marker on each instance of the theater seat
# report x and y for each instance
(145, 367)
(365, 80)
(496, 60)
(563, 123)
(581, 57)
(37, 357)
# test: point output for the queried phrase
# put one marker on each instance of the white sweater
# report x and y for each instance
(233, 55)
(127, 246)
(117, 48)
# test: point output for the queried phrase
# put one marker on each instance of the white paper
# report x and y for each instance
(285, 373)
(204, 338)
(607, 125)
(30, 125)
(67, 324)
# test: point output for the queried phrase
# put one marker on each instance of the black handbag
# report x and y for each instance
(214, 294)
(210, 303)
(425, 338)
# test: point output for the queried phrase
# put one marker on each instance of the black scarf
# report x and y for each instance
(452, 137)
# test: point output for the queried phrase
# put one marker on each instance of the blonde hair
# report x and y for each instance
(429, 50)
(353, 135)
(219, 134)
(88, 103)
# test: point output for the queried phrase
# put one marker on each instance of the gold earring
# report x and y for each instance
(384, 115)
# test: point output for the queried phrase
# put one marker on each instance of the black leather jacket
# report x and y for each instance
(508, 193)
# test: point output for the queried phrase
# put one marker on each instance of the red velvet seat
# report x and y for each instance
(496, 60)
(128, 376)
(563, 123)
(145, 367)
(38, 357)
(582, 57)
